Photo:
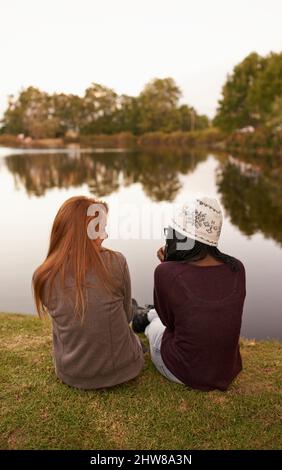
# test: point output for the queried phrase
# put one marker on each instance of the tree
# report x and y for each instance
(202, 122)
(249, 92)
(274, 118)
(185, 118)
(190, 120)
(266, 88)
(12, 121)
(31, 113)
(69, 111)
(158, 105)
(127, 115)
(233, 111)
(100, 104)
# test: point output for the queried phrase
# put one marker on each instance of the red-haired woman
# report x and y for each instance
(87, 292)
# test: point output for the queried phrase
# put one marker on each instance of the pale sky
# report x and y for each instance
(64, 45)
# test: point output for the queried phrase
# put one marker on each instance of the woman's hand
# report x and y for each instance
(161, 253)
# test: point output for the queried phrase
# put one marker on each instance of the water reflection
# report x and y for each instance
(252, 198)
(250, 194)
(104, 173)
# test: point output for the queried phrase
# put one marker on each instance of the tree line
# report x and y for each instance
(251, 96)
(101, 111)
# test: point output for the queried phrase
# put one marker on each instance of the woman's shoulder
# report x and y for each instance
(242, 269)
(110, 252)
(167, 270)
(239, 264)
(113, 256)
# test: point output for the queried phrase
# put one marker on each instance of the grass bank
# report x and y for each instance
(38, 412)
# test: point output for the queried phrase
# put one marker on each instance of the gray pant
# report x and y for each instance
(154, 332)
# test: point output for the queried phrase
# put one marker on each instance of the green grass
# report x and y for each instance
(37, 411)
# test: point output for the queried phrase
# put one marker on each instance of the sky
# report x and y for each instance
(65, 45)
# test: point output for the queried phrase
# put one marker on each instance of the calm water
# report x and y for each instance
(33, 184)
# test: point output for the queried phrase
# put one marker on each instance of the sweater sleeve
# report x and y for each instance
(161, 297)
(127, 301)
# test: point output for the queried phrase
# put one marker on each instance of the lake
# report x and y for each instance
(34, 183)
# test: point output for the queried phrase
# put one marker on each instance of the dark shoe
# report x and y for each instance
(140, 318)
(140, 321)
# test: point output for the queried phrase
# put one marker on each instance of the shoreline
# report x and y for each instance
(210, 139)
(242, 337)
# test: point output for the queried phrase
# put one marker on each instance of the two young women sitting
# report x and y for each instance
(193, 329)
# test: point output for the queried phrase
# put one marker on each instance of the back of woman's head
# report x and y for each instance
(194, 232)
(181, 248)
(74, 247)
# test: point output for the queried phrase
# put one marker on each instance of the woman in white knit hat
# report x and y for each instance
(199, 294)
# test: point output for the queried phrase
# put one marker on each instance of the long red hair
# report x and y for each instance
(71, 247)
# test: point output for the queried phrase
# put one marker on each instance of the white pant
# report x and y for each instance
(154, 332)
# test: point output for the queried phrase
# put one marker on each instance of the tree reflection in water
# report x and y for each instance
(104, 173)
(252, 199)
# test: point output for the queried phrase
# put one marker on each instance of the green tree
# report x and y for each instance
(266, 88)
(100, 104)
(69, 110)
(127, 115)
(233, 111)
(274, 118)
(190, 120)
(31, 113)
(12, 122)
(158, 106)
(250, 92)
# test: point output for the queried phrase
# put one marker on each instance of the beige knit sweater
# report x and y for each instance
(102, 351)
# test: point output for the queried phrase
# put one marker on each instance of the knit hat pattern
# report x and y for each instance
(200, 219)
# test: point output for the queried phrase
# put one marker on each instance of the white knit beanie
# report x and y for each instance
(200, 219)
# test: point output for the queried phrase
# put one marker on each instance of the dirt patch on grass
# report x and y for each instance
(183, 406)
(218, 399)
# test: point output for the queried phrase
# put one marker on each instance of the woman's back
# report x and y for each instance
(102, 350)
(201, 307)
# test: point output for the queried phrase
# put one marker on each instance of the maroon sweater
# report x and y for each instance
(201, 308)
